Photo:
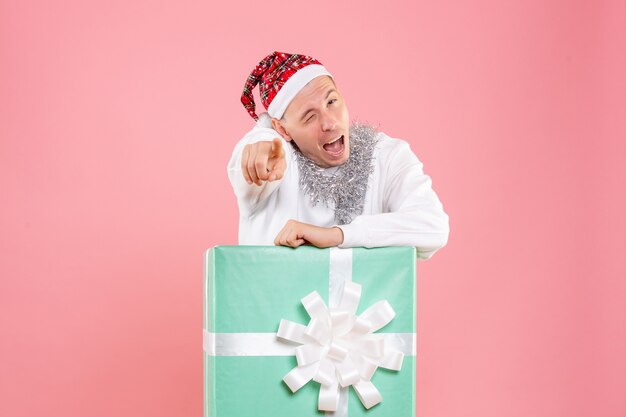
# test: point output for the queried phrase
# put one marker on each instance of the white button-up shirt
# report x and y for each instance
(400, 208)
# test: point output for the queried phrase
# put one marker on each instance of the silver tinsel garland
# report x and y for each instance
(347, 186)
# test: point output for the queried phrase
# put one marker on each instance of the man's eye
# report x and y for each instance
(332, 101)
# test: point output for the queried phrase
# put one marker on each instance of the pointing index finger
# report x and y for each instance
(277, 147)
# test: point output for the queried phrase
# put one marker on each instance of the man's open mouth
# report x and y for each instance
(335, 147)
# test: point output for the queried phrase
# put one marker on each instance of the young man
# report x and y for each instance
(304, 175)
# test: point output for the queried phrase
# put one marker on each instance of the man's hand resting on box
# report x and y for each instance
(296, 233)
(263, 161)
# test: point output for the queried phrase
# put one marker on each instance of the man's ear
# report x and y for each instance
(278, 126)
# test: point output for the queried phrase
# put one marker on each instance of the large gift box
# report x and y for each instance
(309, 332)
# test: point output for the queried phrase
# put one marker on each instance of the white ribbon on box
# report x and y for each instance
(337, 348)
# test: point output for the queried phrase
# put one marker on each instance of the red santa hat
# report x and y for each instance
(280, 77)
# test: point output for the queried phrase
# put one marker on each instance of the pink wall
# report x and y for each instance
(116, 124)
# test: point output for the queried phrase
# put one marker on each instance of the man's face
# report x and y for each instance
(317, 121)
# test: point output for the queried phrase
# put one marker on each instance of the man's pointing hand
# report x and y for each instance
(263, 161)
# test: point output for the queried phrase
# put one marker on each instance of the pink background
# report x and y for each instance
(116, 124)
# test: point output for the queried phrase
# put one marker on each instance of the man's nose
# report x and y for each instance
(329, 122)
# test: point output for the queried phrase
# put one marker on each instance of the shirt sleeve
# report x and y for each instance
(412, 213)
(250, 196)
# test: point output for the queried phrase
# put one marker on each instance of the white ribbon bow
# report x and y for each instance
(337, 348)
